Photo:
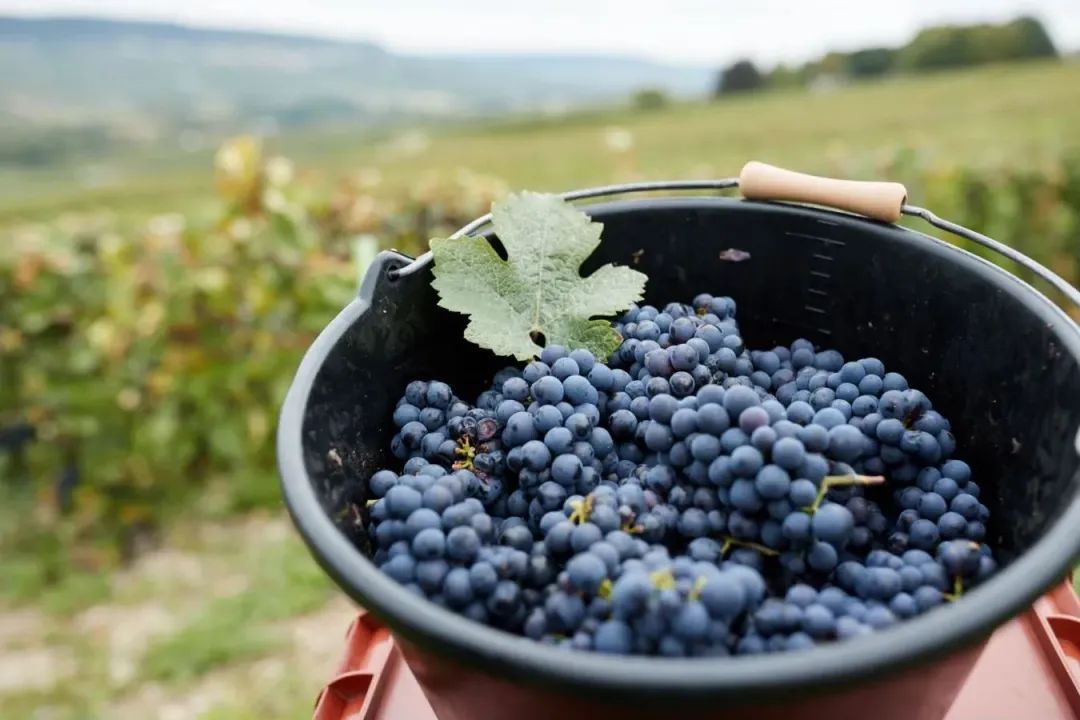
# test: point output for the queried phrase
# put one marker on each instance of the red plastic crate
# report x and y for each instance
(1030, 668)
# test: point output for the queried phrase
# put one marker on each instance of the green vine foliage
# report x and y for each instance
(151, 363)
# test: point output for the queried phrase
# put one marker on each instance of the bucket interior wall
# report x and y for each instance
(979, 343)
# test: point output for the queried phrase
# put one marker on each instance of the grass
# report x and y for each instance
(71, 589)
(238, 595)
(287, 583)
(999, 115)
(219, 637)
(1008, 115)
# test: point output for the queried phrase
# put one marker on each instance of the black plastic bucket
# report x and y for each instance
(997, 358)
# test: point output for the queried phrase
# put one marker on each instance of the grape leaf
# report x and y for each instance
(538, 288)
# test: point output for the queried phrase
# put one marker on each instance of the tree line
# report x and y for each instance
(934, 48)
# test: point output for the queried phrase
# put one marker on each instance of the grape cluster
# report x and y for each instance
(688, 496)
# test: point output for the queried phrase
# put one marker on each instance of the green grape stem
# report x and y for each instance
(582, 510)
(958, 589)
(832, 481)
(663, 579)
(466, 452)
(699, 585)
(730, 541)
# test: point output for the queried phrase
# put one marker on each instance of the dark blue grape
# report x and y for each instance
(585, 360)
(739, 398)
(548, 390)
(845, 443)
(684, 422)
(763, 438)
(657, 386)
(796, 527)
(752, 418)
(705, 448)
(546, 417)
(947, 488)
(579, 426)
(744, 496)
(960, 558)
(564, 368)
(932, 506)
(822, 557)
(566, 469)
(535, 455)
(772, 482)
(559, 441)
(519, 429)
(662, 408)
(693, 523)
(438, 395)
(584, 536)
(746, 461)
(383, 480)
(402, 501)
(789, 453)
(658, 437)
(585, 572)
(533, 372)
(713, 419)
(429, 544)
(622, 424)
(815, 437)
(833, 523)
(681, 384)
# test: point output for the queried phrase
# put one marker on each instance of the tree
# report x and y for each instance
(785, 76)
(1029, 39)
(936, 47)
(957, 46)
(871, 62)
(740, 76)
(649, 99)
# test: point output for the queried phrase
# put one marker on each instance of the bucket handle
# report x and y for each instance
(876, 200)
(884, 201)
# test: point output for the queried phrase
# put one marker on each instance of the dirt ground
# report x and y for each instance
(203, 628)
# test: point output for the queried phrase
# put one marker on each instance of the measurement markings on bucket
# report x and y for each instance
(819, 271)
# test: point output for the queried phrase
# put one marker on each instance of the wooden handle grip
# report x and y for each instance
(877, 200)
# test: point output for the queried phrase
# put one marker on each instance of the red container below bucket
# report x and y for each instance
(1029, 668)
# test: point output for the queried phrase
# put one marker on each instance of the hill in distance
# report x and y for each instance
(147, 81)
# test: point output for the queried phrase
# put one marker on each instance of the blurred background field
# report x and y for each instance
(162, 273)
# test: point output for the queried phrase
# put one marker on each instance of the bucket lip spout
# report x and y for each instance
(436, 630)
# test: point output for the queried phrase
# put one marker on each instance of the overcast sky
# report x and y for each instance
(690, 31)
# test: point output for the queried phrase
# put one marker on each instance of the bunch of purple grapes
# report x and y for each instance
(686, 497)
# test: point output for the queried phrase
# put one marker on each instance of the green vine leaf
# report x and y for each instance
(538, 289)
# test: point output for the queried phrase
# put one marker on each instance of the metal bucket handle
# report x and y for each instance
(764, 182)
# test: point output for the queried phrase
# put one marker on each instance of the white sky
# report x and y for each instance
(691, 31)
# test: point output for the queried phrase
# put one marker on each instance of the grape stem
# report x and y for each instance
(832, 481)
(730, 541)
(582, 510)
(958, 589)
(699, 585)
(629, 524)
(663, 579)
(466, 452)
